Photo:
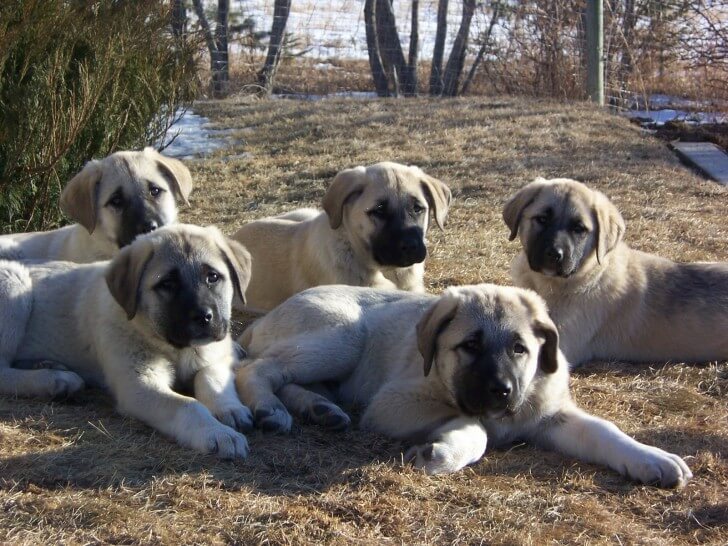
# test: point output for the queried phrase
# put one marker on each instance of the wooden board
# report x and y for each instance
(706, 156)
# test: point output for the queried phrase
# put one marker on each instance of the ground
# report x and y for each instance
(75, 472)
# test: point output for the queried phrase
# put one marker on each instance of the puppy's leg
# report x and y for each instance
(16, 302)
(589, 438)
(313, 407)
(215, 388)
(149, 398)
(447, 441)
(301, 360)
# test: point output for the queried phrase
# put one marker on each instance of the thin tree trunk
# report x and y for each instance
(375, 57)
(221, 75)
(216, 44)
(179, 20)
(483, 48)
(281, 10)
(459, 47)
(436, 81)
(409, 74)
(389, 44)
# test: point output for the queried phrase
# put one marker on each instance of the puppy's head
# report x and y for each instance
(384, 210)
(179, 281)
(563, 225)
(487, 344)
(127, 194)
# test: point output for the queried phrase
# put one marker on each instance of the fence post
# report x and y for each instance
(595, 51)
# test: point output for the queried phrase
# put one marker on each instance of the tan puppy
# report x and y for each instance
(113, 200)
(371, 233)
(611, 302)
(476, 365)
(157, 316)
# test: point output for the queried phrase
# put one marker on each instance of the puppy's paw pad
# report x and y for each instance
(273, 420)
(227, 444)
(239, 418)
(65, 384)
(329, 415)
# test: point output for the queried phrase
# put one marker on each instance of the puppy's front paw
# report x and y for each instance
(224, 442)
(328, 415)
(273, 418)
(433, 458)
(63, 384)
(237, 417)
(657, 467)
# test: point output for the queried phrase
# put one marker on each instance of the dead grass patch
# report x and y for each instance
(75, 472)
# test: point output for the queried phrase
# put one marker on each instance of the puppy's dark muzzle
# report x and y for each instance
(202, 327)
(401, 250)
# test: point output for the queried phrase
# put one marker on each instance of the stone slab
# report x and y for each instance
(707, 157)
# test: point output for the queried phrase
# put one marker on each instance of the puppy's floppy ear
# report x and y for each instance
(513, 209)
(548, 357)
(124, 274)
(346, 185)
(175, 172)
(432, 323)
(238, 261)
(437, 193)
(78, 199)
(610, 225)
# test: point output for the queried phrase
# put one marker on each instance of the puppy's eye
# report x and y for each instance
(116, 201)
(418, 209)
(541, 220)
(579, 228)
(155, 191)
(213, 277)
(519, 348)
(167, 284)
(380, 211)
(470, 345)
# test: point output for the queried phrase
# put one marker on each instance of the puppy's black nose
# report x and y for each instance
(149, 225)
(555, 254)
(203, 315)
(500, 390)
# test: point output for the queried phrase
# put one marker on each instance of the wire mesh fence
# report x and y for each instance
(537, 47)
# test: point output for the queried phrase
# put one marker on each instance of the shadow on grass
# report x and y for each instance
(100, 449)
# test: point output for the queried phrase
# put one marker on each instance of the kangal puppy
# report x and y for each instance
(370, 233)
(476, 365)
(113, 200)
(156, 317)
(611, 302)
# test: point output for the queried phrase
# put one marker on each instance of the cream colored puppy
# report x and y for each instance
(113, 200)
(370, 233)
(156, 317)
(477, 365)
(611, 302)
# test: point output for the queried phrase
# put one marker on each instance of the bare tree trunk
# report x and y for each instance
(484, 46)
(390, 49)
(375, 58)
(409, 74)
(216, 44)
(459, 47)
(439, 51)
(221, 74)
(179, 20)
(281, 10)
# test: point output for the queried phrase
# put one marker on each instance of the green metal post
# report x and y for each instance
(595, 51)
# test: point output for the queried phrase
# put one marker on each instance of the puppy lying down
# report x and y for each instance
(477, 365)
(151, 322)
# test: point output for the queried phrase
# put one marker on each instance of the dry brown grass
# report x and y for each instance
(75, 472)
